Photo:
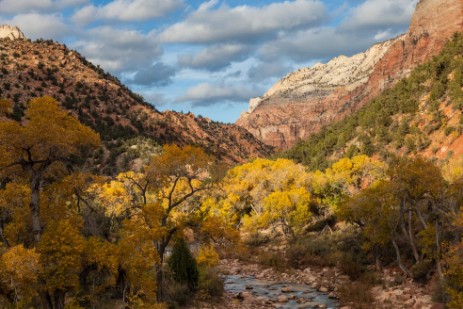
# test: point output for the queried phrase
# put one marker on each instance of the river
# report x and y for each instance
(280, 294)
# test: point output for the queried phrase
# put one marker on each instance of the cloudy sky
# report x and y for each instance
(208, 57)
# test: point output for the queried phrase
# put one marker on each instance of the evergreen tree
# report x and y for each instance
(183, 265)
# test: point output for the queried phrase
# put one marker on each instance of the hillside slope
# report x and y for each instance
(31, 69)
(421, 115)
(293, 112)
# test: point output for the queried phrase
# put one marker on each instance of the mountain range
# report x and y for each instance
(309, 99)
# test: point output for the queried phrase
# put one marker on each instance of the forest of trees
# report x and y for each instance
(73, 239)
(70, 239)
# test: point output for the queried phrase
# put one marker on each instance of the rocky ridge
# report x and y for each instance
(309, 99)
(32, 69)
(11, 32)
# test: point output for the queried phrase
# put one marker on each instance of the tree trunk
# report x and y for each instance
(160, 276)
(399, 259)
(438, 262)
(377, 260)
(407, 233)
(35, 207)
(58, 299)
(411, 238)
(46, 301)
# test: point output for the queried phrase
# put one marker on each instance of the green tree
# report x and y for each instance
(183, 265)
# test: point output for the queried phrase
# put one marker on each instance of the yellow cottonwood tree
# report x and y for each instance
(266, 193)
(19, 271)
(61, 252)
(41, 146)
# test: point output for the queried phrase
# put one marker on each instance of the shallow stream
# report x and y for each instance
(298, 295)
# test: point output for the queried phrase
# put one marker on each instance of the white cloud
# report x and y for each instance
(23, 6)
(206, 94)
(244, 23)
(30, 6)
(215, 57)
(268, 70)
(158, 74)
(382, 35)
(35, 25)
(322, 43)
(381, 14)
(127, 10)
(119, 50)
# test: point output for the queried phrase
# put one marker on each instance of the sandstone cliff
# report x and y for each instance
(306, 100)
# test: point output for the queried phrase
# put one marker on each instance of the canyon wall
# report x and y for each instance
(310, 98)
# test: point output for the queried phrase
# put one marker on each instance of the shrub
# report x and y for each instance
(310, 251)
(449, 130)
(207, 256)
(210, 284)
(177, 294)
(357, 293)
(349, 265)
(440, 292)
(272, 259)
(420, 271)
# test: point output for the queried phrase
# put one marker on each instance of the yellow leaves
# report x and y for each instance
(111, 196)
(217, 229)
(207, 256)
(49, 133)
(138, 257)
(6, 107)
(61, 249)
(20, 266)
(270, 191)
(416, 177)
(19, 269)
(453, 169)
(291, 207)
(178, 161)
(101, 253)
(105, 257)
(14, 202)
(50, 126)
(346, 178)
(454, 275)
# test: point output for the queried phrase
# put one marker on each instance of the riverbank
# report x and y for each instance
(389, 294)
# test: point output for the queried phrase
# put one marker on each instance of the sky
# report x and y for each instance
(208, 57)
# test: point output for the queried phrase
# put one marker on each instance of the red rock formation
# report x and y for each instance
(288, 114)
(433, 23)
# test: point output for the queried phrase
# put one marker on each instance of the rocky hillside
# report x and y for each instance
(305, 100)
(31, 69)
(309, 99)
(420, 115)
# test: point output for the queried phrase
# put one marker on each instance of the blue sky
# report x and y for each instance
(208, 57)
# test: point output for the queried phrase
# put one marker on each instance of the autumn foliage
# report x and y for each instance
(71, 239)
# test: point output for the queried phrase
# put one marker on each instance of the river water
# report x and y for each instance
(299, 295)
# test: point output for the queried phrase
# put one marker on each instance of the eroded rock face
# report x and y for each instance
(11, 32)
(310, 98)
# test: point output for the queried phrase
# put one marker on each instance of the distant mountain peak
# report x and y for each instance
(309, 99)
(11, 32)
